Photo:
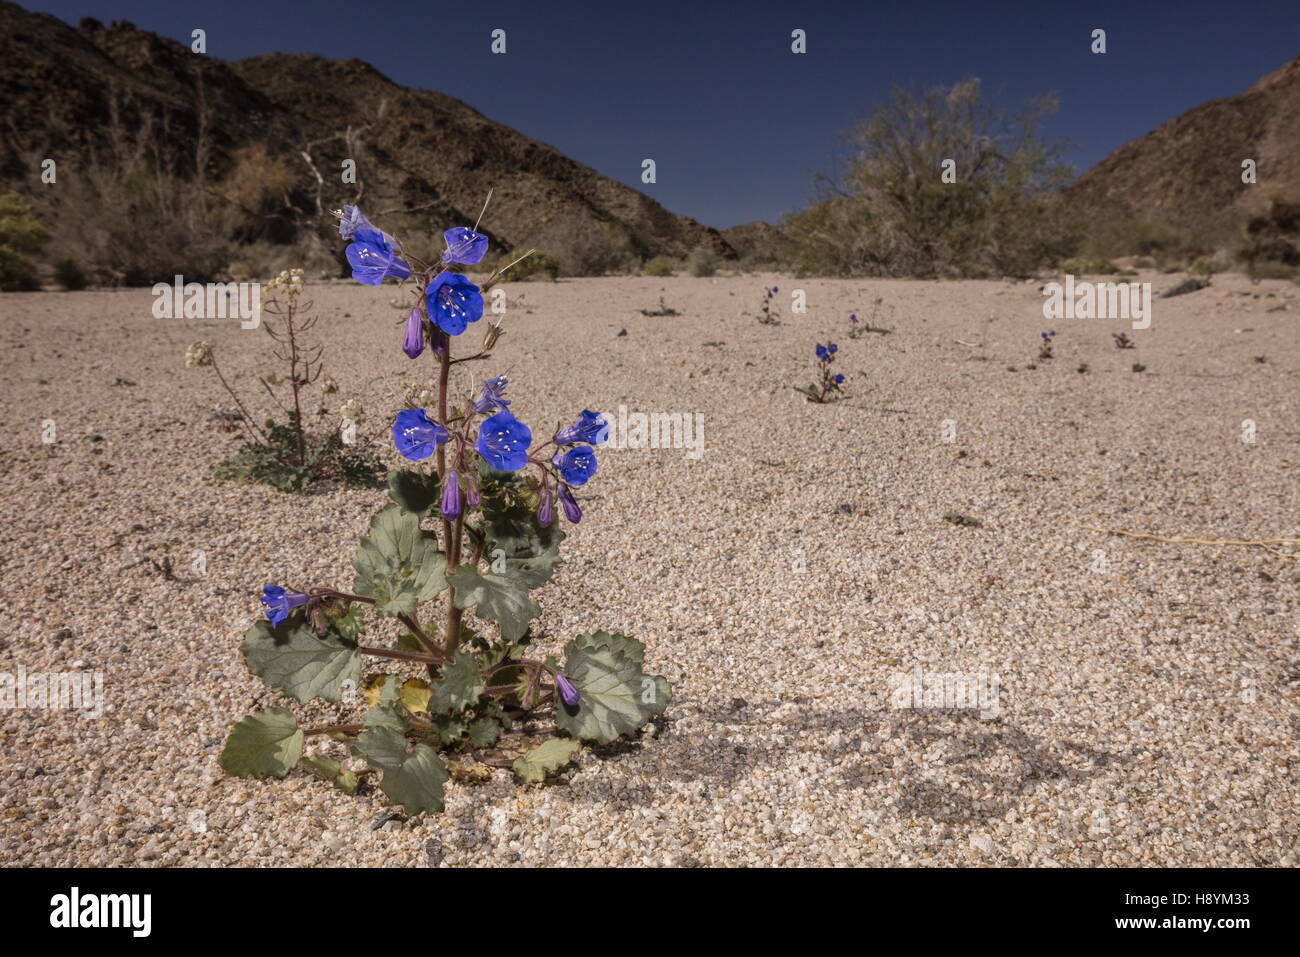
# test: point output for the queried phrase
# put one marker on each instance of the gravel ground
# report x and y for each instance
(1146, 707)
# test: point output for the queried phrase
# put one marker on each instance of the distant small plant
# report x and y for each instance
(765, 315)
(1045, 349)
(1139, 367)
(69, 274)
(830, 386)
(21, 235)
(660, 266)
(661, 311)
(858, 329)
(1083, 368)
(702, 262)
(1122, 340)
(287, 457)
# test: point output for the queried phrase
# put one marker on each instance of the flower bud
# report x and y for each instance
(568, 691)
(571, 510)
(413, 344)
(451, 496)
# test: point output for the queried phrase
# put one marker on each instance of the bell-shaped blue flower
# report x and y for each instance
(503, 442)
(576, 465)
(451, 505)
(279, 603)
(413, 344)
(352, 220)
(590, 427)
(568, 691)
(464, 246)
(415, 435)
(453, 302)
(571, 510)
(373, 256)
(490, 397)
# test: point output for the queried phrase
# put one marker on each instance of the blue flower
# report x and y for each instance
(413, 344)
(353, 219)
(568, 691)
(853, 317)
(415, 435)
(503, 442)
(373, 256)
(545, 513)
(450, 506)
(839, 378)
(576, 465)
(590, 427)
(279, 602)
(827, 353)
(571, 510)
(489, 398)
(453, 302)
(464, 246)
(1047, 336)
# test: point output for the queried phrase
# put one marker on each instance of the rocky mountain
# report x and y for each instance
(1187, 173)
(93, 92)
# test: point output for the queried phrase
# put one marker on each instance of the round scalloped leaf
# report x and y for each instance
(415, 492)
(500, 598)
(398, 563)
(532, 767)
(417, 783)
(292, 657)
(266, 744)
(615, 696)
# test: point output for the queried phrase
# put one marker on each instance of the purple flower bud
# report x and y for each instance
(472, 497)
(571, 510)
(413, 344)
(451, 496)
(545, 512)
(279, 603)
(568, 691)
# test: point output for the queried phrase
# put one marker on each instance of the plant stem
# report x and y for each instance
(402, 655)
(293, 381)
(248, 419)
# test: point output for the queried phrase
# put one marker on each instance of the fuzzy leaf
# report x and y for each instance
(484, 732)
(619, 643)
(616, 696)
(459, 685)
(293, 658)
(398, 564)
(552, 755)
(500, 598)
(383, 745)
(417, 782)
(266, 744)
(414, 492)
(332, 771)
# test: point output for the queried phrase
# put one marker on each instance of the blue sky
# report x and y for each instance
(736, 122)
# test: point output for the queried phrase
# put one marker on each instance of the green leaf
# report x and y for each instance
(619, 643)
(530, 551)
(484, 732)
(398, 564)
(292, 657)
(552, 755)
(616, 696)
(383, 745)
(500, 598)
(332, 771)
(417, 783)
(458, 686)
(414, 492)
(266, 744)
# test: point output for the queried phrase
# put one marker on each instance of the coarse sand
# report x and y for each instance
(1138, 698)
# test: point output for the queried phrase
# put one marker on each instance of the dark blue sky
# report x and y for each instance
(711, 91)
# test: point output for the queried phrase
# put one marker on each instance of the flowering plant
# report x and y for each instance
(481, 493)
(1045, 350)
(830, 384)
(289, 457)
(1122, 340)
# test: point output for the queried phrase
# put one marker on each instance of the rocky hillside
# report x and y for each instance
(86, 94)
(1187, 172)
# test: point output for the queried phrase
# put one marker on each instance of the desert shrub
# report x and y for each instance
(660, 266)
(538, 264)
(1272, 239)
(889, 213)
(69, 274)
(582, 251)
(21, 236)
(1114, 236)
(702, 262)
